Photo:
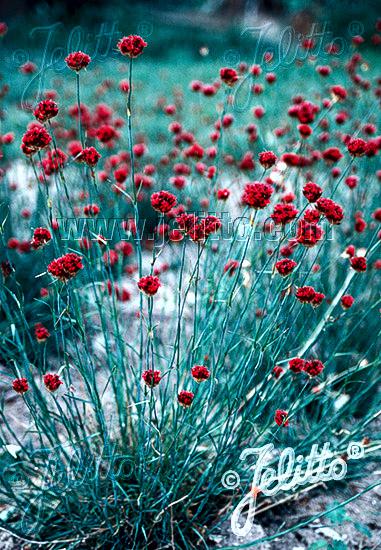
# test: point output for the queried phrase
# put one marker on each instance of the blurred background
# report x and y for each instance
(186, 24)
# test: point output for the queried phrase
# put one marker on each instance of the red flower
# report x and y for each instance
(175, 235)
(89, 156)
(305, 294)
(66, 267)
(163, 201)
(332, 154)
(331, 210)
(339, 92)
(20, 385)
(52, 382)
(267, 159)
(357, 147)
(185, 398)
(200, 373)
(91, 210)
(228, 76)
(308, 234)
(151, 378)
(223, 194)
(296, 365)
(284, 213)
(312, 191)
(285, 267)
(35, 139)
(358, 263)
(41, 333)
(41, 236)
(317, 299)
(347, 301)
(149, 285)
(257, 195)
(281, 418)
(277, 371)
(313, 367)
(106, 133)
(304, 130)
(46, 110)
(132, 45)
(230, 267)
(201, 230)
(76, 61)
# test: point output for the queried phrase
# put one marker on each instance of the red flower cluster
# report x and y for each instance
(201, 230)
(89, 156)
(285, 267)
(151, 378)
(20, 385)
(149, 285)
(200, 373)
(76, 61)
(52, 382)
(91, 210)
(308, 234)
(46, 110)
(358, 263)
(163, 201)
(257, 195)
(331, 210)
(332, 155)
(357, 147)
(281, 418)
(284, 213)
(312, 191)
(228, 76)
(347, 301)
(35, 139)
(41, 236)
(66, 267)
(267, 159)
(313, 367)
(41, 333)
(132, 45)
(230, 267)
(185, 398)
(54, 161)
(296, 365)
(308, 295)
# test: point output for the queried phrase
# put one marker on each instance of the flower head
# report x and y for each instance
(285, 267)
(76, 61)
(66, 267)
(281, 418)
(228, 76)
(163, 201)
(257, 195)
(52, 382)
(46, 110)
(20, 385)
(41, 236)
(185, 398)
(151, 378)
(149, 285)
(358, 263)
(132, 45)
(200, 373)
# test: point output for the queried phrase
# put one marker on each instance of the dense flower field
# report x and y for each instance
(191, 266)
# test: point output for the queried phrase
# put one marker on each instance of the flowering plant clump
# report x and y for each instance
(190, 263)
